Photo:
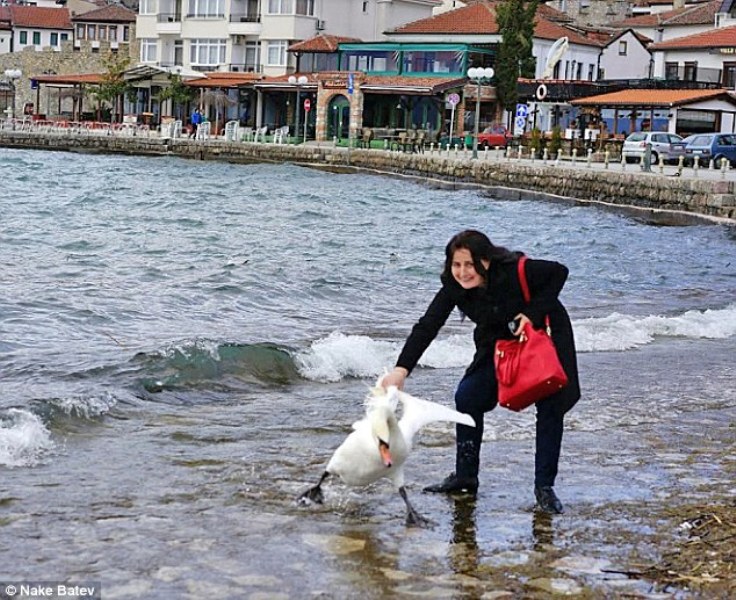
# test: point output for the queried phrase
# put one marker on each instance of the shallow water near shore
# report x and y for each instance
(182, 346)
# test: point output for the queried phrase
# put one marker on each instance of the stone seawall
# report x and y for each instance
(661, 198)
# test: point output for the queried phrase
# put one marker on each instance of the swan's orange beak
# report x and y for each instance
(385, 453)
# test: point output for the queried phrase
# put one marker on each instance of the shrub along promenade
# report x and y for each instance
(664, 194)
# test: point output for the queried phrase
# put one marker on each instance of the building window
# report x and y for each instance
(579, 71)
(102, 32)
(206, 8)
(148, 50)
(91, 32)
(36, 38)
(81, 31)
(207, 52)
(591, 72)
(365, 7)
(178, 53)
(23, 37)
(691, 71)
(671, 71)
(305, 7)
(377, 61)
(280, 7)
(251, 56)
(54, 39)
(113, 33)
(729, 75)
(623, 48)
(64, 37)
(147, 7)
(276, 53)
(126, 33)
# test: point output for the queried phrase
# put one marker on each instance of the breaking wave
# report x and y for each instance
(24, 439)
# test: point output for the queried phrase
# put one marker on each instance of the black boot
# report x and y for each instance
(547, 500)
(454, 483)
(465, 478)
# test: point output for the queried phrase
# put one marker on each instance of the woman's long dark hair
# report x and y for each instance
(480, 248)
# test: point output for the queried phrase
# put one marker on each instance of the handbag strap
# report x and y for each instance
(525, 288)
(522, 279)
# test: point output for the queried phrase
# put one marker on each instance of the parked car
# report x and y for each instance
(494, 135)
(707, 146)
(670, 146)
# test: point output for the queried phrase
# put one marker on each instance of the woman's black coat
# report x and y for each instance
(492, 307)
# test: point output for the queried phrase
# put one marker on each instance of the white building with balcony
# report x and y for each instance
(253, 35)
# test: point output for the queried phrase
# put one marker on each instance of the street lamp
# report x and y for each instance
(11, 76)
(297, 81)
(479, 75)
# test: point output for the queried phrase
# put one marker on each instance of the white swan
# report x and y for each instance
(380, 444)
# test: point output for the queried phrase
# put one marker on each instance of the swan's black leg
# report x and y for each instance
(413, 518)
(314, 494)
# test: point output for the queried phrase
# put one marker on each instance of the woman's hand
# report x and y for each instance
(397, 377)
(523, 320)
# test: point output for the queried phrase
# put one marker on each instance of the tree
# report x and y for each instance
(516, 23)
(113, 84)
(177, 92)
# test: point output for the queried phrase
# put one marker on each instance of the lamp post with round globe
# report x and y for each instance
(298, 82)
(479, 75)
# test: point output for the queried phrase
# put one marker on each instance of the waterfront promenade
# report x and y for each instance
(667, 193)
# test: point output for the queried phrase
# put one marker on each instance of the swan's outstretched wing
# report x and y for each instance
(418, 413)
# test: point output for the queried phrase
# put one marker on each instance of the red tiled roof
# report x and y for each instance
(70, 79)
(311, 78)
(665, 98)
(39, 17)
(224, 80)
(474, 18)
(393, 83)
(107, 14)
(697, 14)
(714, 38)
(321, 43)
(639, 36)
(547, 30)
(480, 19)
(372, 83)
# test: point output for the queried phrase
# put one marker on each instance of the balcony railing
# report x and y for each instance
(245, 68)
(169, 17)
(207, 16)
(692, 76)
(251, 18)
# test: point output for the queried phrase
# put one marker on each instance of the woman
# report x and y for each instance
(481, 280)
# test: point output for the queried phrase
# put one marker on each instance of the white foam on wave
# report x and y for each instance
(623, 332)
(86, 407)
(23, 439)
(339, 355)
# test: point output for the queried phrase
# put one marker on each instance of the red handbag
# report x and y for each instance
(527, 367)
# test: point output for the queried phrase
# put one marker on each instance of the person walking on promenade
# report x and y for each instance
(195, 120)
(481, 280)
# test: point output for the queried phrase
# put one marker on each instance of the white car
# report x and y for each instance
(669, 146)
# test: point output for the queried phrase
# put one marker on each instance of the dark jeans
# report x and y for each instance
(477, 394)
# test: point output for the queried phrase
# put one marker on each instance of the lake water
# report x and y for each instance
(183, 344)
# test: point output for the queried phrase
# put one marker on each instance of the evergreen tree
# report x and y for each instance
(516, 23)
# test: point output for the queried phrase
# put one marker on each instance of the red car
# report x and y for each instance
(495, 135)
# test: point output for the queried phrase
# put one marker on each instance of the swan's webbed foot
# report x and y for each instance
(313, 494)
(413, 518)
